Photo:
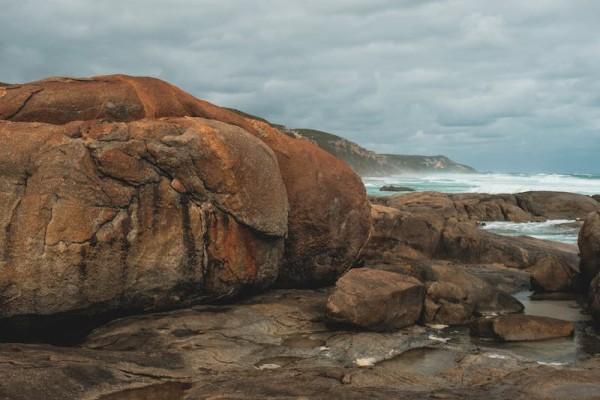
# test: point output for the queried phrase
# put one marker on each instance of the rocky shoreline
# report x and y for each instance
(155, 246)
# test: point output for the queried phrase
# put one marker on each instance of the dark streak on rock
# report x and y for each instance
(9, 117)
(191, 262)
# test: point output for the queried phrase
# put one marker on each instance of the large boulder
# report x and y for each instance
(329, 220)
(512, 328)
(99, 217)
(589, 247)
(376, 300)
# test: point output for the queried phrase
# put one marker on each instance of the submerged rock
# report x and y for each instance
(511, 328)
(394, 188)
(377, 300)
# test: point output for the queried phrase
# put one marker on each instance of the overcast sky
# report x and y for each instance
(500, 85)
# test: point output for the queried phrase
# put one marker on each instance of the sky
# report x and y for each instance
(500, 85)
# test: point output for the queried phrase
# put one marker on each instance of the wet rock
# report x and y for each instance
(511, 328)
(508, 280)
(596, 197)
(594, 297)
(554, 296)
(394, 188)
(455, 297)
(589, 247)
(376, 300)
(274, 345)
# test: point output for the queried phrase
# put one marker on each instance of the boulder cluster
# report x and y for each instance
(121, 194)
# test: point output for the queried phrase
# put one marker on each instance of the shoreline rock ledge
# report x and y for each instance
(121, 195)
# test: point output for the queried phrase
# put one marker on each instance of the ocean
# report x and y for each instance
(559, 230)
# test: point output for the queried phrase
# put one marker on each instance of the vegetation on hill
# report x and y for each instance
(366, 162)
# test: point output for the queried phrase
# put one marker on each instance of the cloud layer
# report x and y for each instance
(510, 85)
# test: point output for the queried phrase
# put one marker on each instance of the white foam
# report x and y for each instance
(268, 366)
(437, 326)
(552, 364)
(365, 362)
(490, 182)
(497, 356)
(561, 230)
(438, 339)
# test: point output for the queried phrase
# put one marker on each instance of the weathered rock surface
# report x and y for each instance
(589, 247)
(328, 215)
(376, 299)
(276, 346)
(596, 197)
(511, 328)
(520, 207)
(100, 217)
(329, 220)
(425, 233)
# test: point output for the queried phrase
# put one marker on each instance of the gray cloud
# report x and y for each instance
(508, 85)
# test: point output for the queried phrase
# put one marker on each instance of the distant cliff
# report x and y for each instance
(366, 162)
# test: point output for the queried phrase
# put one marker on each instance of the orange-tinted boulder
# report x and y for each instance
(146, 215)
(329, 212)
(329, 219)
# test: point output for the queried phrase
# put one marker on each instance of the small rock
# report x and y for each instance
(512, 328)
(376, 300)
(394, 188)
(552, 274)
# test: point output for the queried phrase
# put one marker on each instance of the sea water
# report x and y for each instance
(487, 183)
(559, 230)
(564, 231)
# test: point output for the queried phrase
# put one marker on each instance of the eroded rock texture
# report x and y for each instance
(329, 219)
(99, 216)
